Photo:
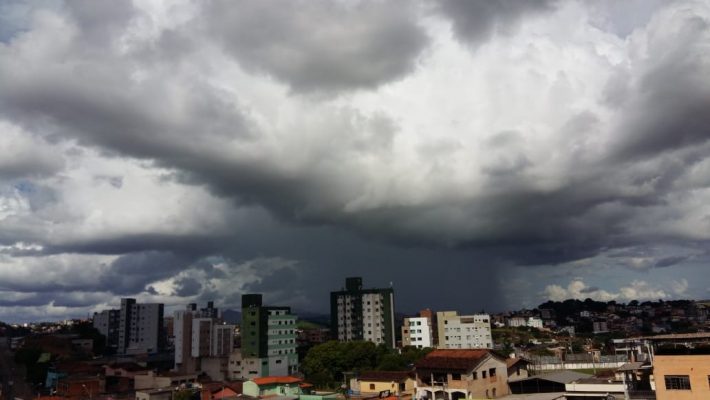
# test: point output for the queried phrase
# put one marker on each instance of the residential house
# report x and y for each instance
(453, 374)
(273, 386)
(681, 376)
(81, 386)
(155, 394)
(517, 368)
(153, 380)
(396, 382)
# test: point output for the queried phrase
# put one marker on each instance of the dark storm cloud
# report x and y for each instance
(670, 261)
(474, 21)
(348, 188)
(182, 245)
(320, 45)
(187, 287)
(667, 106)
(139, 120)
(132, 273)
(100, 21)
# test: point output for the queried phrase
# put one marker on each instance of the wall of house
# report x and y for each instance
(517, 372)
(252, 389)
(393, 387)
(489, 385)
(696, 367)
(154, 395)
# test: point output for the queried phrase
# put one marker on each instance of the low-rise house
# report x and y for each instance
(450, 374)
(682, 376)
(553, 382)
(220, 390)
(125, 369)
(396, 382)
(517, 368)
(80, 386)
(288, 386)
(152, 380)
(155, 394)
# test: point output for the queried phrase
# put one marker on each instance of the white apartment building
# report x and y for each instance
(464, 331)
(515, 322)
(140, 327)
(417, 332)
(534, 322)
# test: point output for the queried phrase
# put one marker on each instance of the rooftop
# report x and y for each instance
(561, 376)
(384, 376)
(276, 380)
(453, 359)
(680, 336)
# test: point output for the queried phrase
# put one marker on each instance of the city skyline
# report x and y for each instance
(471, 154)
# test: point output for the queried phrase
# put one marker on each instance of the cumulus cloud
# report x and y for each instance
(475, 20)
(320, 45)
(636, 290)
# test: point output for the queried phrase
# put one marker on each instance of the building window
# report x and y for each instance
(483, 374)
(492, 372)
(475, 375)
(455, 377)
(372, 386)
(677, 382)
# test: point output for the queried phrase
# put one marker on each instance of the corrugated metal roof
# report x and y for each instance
(559, 376)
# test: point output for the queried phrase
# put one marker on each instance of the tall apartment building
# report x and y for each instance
(362, 314)
(140, 327)
(268, 334)
(200, 335)
(107, 323)
(464, 331)
(418, 331)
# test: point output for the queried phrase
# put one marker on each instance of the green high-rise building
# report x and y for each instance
(269, 334)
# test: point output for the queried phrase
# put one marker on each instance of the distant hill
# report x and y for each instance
(315, 318)
(235, 317)
(232, 316)
(303, 324)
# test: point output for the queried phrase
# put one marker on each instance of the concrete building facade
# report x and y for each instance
(362, 314)
(140, 327)
(464, 331)
(107, 323)
(418, 332)
(198, 336)
(682, 376)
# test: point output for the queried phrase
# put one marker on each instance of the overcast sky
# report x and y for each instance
(474, 154)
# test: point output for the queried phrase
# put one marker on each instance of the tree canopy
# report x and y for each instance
(325, 365)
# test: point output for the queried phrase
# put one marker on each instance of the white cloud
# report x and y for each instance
(636, 290)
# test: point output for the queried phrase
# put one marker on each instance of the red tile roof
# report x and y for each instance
(383, 376)
(453, 359)
(512, 361)
(128, 366)
(275, 380)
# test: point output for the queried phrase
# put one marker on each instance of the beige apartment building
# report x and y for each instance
(464, 331)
